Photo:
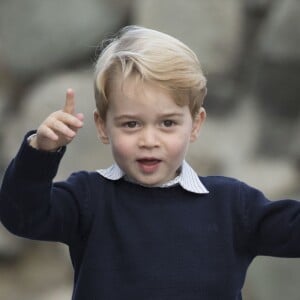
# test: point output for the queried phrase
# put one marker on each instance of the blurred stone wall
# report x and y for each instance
(249, 50)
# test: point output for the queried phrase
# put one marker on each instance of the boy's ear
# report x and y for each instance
(101, 127)
(197, 124)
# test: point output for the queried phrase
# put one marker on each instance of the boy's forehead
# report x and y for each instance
(133, 96)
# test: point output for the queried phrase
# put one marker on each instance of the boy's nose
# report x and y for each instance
(148, 138)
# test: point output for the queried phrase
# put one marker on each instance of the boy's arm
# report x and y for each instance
(34, 207)
(273, 227)
(26, 187)
(27, 205)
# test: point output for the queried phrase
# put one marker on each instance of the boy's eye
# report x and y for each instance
(168, 123)
(131, 124)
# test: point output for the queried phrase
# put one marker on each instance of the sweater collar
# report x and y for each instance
(187, 179)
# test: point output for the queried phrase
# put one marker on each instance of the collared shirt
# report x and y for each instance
(187, 179)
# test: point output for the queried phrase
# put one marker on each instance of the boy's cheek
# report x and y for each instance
(178, 152)
(122, 147)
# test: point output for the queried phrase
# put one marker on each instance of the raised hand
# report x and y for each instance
(59, 128)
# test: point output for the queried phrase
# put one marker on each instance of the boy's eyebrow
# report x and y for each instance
(172, 115)
(125, 116)
(135, 116)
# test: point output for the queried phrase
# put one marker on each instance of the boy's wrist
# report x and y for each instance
(33, 143)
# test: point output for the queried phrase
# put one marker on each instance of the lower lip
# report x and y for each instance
(148, 167)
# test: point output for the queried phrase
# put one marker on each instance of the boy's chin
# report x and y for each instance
(147, 182)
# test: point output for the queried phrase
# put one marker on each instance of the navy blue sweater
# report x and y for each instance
(132, 242)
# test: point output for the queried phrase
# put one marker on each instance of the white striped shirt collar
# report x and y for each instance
(187, 179)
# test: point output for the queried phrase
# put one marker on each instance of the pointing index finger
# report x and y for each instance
(70, 102)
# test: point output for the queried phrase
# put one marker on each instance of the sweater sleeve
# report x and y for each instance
(273, 226)
(34, 207)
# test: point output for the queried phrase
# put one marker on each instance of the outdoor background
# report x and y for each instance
(250, 53)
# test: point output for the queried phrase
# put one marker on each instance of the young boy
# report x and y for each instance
(148, 227)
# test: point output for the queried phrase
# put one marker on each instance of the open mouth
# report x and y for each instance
(148, 165)
(148, 161)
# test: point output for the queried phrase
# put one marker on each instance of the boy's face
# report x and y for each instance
(148, 132)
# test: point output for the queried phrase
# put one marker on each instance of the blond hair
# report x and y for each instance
(151, 56)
